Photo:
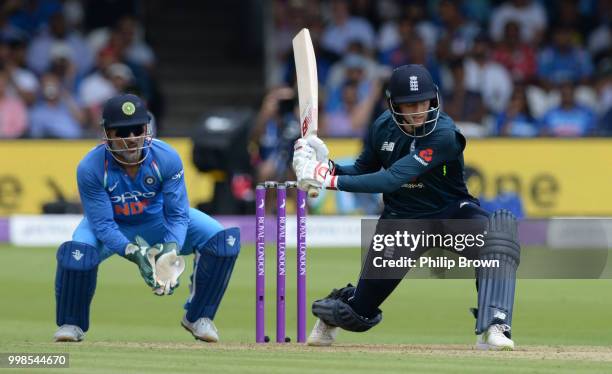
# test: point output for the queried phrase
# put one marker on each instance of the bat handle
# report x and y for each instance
(313, 192)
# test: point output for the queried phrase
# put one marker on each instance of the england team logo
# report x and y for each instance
(414, 83)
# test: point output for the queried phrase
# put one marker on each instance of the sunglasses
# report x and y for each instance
(125, 132)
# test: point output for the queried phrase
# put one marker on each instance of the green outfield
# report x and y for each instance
(560, 326)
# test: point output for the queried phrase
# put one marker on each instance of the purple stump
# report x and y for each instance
(260, 263)
(281, 218)
(301, 266)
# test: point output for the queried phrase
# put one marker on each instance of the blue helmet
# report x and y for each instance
(127, 113)
(413, 84)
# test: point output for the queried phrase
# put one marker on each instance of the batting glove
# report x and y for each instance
(315, 174)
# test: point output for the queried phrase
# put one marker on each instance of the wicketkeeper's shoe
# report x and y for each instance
(69, 333)
(203, 329)
(322, 334)
(495, 339)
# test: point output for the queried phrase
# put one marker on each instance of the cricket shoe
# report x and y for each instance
(69, 333)
(494, 339)
(203, 329)
(322, 335)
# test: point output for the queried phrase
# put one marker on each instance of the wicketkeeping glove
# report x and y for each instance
(143, 256)
(169, 266)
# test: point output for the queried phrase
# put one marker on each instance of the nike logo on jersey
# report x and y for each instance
(111, 189)
(461, 205)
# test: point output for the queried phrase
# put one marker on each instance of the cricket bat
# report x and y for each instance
(308, 88)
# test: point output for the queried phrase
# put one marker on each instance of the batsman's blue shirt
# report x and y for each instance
(111, 198)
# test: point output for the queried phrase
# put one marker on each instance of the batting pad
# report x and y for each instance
(75, 283)
(496, 285)
(214, 264)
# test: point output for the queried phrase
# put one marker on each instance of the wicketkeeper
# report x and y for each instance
(133, 192)
(413, 155)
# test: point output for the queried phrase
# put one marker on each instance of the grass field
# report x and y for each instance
(560, 326)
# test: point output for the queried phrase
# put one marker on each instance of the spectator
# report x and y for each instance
(39, 54)
(62, 65)
(517, 120)
(345, 28)
(412, 50)
(7, 29)
(138, 52)
(461, 103)
(74, 13)
(276, 129)
(110, 79)
(121, 77)
(30, 16)
(353, 68)
(23, 82)
(604, 85)
(56, 115)
(604, 128)
(563, 61)
(529, 14)
(569, 119)
(456, 31)
(128, 41)
(97, 87)
(567, 14)
(414, 12)
(477, 10)
(517, 57)
(13, 114)
(487, 77)
(352, 116)
(600, 39)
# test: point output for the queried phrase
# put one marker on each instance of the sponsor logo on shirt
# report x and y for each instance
(131, 203)
(134, 195)
(412, 186)
(420, 160)
(387, 146)
(426, 154)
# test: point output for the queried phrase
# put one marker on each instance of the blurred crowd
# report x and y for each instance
(520, 68)
(61, 60)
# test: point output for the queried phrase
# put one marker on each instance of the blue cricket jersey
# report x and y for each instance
(111, 198)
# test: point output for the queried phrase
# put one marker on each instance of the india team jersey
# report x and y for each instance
(111, 198)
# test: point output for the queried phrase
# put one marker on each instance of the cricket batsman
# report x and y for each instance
(132, 188)
(413, 155)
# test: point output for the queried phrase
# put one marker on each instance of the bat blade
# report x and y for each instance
(308, 87)
(307, 82)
